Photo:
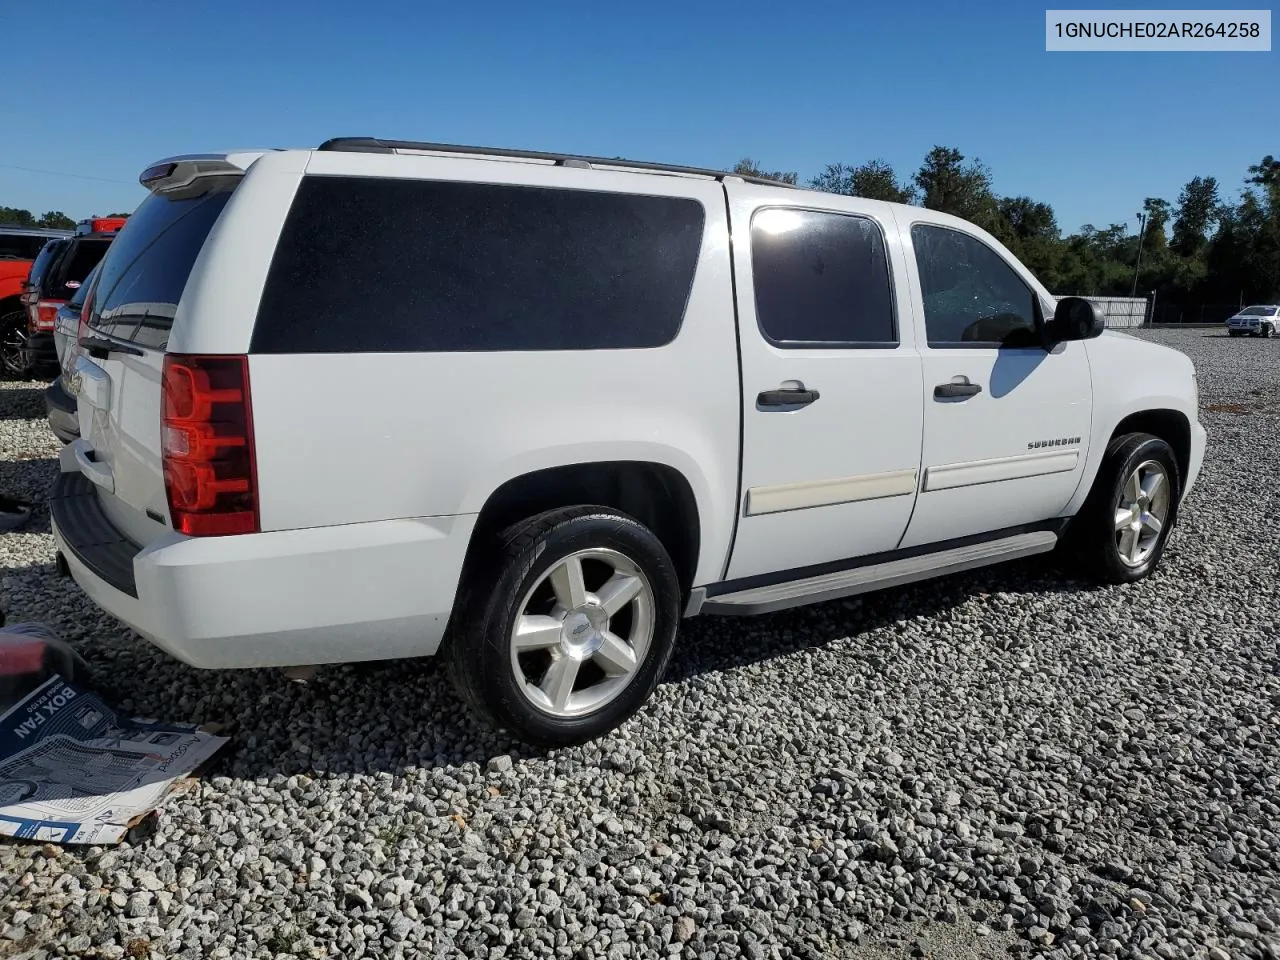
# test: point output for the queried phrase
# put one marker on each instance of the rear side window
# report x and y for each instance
(48, 254)
(147, 265)
(374, 265)
(821, 279)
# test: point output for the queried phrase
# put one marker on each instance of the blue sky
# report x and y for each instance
(792, 86)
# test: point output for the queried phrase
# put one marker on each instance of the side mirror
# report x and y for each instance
(1076, 318)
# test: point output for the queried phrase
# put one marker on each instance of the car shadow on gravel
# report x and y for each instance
(25, 402)
(29, 479)
(711, 644)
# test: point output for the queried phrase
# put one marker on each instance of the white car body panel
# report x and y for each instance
(373, 468)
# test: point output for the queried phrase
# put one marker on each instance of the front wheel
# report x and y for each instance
(1121, 531)
(563, 630)
(1266, 332)
(13, 345)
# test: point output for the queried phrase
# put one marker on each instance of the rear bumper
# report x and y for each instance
(364, 591)
(61, 409)
(40, 351)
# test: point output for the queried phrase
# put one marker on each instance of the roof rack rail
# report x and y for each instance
(377, 145)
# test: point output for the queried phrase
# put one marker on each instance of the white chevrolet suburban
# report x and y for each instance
(384, 399)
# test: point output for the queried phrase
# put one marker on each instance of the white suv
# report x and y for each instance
(384, 399)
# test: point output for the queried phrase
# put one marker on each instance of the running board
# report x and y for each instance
(892, 573)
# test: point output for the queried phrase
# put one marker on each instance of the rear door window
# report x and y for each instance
(386, 265)
(821, 279)
(147, 266)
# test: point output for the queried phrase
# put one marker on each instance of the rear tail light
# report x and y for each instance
(206, 445)
(45, 314)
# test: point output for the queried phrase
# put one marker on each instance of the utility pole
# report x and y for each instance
(1142, 235)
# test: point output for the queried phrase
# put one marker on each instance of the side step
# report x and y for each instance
(846, 583)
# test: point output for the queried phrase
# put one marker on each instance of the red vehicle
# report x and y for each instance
(54, 279)
(19, 247)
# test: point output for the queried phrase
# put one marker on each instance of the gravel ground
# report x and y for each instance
(1002, 762)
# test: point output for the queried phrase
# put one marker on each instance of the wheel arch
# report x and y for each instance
(654, 494)
(1171, 426)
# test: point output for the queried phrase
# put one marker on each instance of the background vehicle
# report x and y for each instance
(1259, 321)
(55, 279)
(583, 398)
(19, 248)
(59, 398)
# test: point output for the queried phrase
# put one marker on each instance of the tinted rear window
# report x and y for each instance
(76, 264)
(147, 265)
(411, 265)
(77, 298)
(821, 279)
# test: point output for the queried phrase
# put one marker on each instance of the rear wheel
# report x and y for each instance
(13, 345)
(564, 628)
(1233, 333)
(1121, 531)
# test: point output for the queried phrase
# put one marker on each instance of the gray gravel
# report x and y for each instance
(1008, 761)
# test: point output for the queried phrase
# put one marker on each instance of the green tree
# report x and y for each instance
(874, 180)
(1198, 205)
(746, 167)
(17, 217)
(56, 218)
(948, 184)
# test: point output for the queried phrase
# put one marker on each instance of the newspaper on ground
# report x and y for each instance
(72, 771)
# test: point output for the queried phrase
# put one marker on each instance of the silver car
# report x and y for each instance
(1257, 321)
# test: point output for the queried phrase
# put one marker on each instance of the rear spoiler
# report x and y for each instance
(174, 173)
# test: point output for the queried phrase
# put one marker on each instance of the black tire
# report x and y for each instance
(1265, 332)
(1233, 333)
(1093, 533)
(13, 336)
(477, 649)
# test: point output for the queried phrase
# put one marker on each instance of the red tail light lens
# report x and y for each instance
(45, 314)
(206, 445)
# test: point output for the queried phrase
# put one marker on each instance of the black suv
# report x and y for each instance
(55, 277)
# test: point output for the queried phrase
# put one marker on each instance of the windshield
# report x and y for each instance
(1257, 312)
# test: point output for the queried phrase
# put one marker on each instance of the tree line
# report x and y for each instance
(1204, 249)
(55, 219)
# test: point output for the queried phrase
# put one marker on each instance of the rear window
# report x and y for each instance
(77, 298)
(76, 264)
(19, 246)
(147, 265)
(379, 265)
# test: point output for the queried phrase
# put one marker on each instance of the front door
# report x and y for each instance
(831, 382)
(1006, 422)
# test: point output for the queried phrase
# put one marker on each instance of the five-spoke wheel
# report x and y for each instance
(565, 624)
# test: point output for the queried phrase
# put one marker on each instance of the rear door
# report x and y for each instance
(122, 355)
(831, 380)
